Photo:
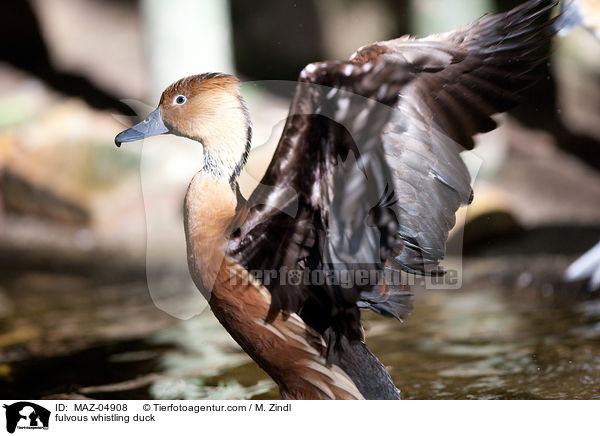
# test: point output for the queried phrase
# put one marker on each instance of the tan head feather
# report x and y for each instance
(208, 108)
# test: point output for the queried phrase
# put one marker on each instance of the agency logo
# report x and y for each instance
(26, 415)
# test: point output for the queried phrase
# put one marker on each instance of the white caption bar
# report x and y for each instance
(70, 417)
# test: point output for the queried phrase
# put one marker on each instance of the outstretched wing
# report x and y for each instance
(474, 72)
(331, 155)
(377, 188)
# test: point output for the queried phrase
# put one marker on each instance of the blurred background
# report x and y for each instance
(77, 318)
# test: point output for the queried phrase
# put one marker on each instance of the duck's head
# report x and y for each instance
(207, 108)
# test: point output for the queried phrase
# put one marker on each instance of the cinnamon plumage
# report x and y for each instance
(369, 164)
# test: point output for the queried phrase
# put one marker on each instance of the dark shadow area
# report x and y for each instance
(554, 239)
(97, 365)
(27, 50)
(280, 49)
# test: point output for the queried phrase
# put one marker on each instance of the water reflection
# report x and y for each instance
(495, 343)
(501, 337)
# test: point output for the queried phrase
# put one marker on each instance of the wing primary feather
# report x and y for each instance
(393, 178)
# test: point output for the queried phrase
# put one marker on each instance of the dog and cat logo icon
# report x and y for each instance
(26, 415)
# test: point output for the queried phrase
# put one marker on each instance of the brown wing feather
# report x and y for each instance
(478, 70)
(445, 89)
(469, 75)
(339, 111)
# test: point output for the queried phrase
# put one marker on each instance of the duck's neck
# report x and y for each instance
(227, 144)
(210, 208)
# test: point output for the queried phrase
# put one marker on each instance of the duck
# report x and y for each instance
(364, 183)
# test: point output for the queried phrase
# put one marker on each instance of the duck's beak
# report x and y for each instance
(153, 125)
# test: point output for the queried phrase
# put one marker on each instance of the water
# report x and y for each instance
(495, 344)
(514, 332)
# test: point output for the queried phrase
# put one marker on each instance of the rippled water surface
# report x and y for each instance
(514, 332)
(494, 344)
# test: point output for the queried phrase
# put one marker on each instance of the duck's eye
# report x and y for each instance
(180, 99)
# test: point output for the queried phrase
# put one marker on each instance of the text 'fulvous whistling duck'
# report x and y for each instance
(368, 164)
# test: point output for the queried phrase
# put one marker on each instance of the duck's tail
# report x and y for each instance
(365, 370)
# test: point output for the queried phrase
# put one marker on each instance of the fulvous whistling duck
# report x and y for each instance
(370, 153)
